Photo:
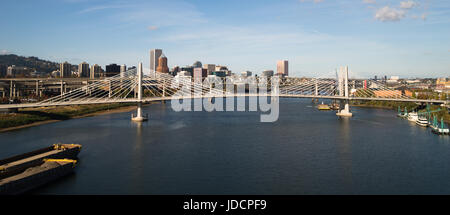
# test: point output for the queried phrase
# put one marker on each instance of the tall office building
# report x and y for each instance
(283, 68)
(188, 70)
(199, 74)
(267, 73)
(175, 70)
(123, 69)
(162, 64)
(210, 68)
(95, 71)
(112, 70)
(64, 69)
(83, 69)
(154, 59)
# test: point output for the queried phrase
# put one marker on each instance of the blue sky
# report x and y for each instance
(373, 37)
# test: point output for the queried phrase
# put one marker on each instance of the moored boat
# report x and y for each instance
(422, 121)
(335, 106)
(47, 171)
(18, 163)
(323, 107)
(439, 129)
(27, 171)
(413, 116)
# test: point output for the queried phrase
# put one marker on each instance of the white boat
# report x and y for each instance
(413, 117)
(438, 130)
(422, 121)
(442, 130)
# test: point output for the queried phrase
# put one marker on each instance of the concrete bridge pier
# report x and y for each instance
(62, 88)
(38, 94)
(139, 116)
(345, 112)
(11, 90)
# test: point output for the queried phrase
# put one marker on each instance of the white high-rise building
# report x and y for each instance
(154, 57)
(95, 71)
(64, 68)
(123, 69)
(283, 68)
(83, 69)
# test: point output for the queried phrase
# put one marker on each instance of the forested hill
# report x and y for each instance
(30, 62)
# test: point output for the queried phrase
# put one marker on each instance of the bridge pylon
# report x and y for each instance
(139, 116)
(344, 112)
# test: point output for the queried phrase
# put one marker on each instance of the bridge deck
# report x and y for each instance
(134, 100)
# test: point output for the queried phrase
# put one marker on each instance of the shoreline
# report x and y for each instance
(105, 112)
(373, 106)
(385, 108)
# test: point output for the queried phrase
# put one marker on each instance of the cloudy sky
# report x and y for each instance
(409, 38)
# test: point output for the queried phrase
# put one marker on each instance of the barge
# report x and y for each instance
(27, 171)
(323, 107)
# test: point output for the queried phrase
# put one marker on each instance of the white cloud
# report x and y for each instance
(315, 1)
(103, 7)
(388, 14)
(152, 28)
(4, 52)
(407, 4)
(370, 1)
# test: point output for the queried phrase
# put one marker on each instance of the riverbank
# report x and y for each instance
(30, 117)
(394, 106)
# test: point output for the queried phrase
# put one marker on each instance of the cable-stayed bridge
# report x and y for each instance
(135, 87)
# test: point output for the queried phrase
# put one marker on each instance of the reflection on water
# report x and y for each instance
(137, 160)
(305, 152)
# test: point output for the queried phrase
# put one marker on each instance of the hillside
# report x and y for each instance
(30, 62)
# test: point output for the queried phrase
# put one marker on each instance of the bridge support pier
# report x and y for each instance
(345, 112)
(139, 116)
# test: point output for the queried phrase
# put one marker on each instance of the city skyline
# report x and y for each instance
(394, 38)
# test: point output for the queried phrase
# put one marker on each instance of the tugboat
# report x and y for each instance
(335, 106)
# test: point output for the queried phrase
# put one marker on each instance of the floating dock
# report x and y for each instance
(27, 171)
(424, 119)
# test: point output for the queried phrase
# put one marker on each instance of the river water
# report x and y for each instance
(305, 152)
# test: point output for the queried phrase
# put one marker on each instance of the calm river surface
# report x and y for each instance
(305, 152)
